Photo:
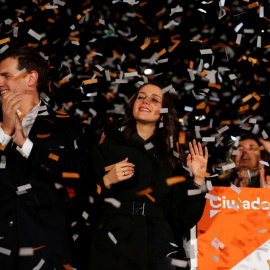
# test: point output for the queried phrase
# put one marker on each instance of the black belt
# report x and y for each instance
(139, 209)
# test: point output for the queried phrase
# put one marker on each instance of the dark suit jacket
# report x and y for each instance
(36, 218)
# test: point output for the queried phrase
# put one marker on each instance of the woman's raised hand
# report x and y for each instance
(121, 171)
(197, 160)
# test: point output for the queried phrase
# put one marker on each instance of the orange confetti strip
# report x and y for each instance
(144, 192)
(143, 3)
(20, 76)
(62, 116)
(87, 10)
(50, 20)
(203, 73)
(255, 106)
(70, 175)
(63, 81)
(43, 136)
(268, 261)
(146, 44)
(207, 109)
(214, 85)
(29, 18)
(213, 235)
(150, 197)
(240, 205)
(244, 108)
(246, 98)
(21, 115)
(263, 205)
(162, 11)
(203, 173)
(267, 46)
(60, 112)
(253, 5)
(225, 122)
(108, 168)
(2, 147)
(174, 180)
(98, 189)
(103, 136)
(202, 105)
(191, 65)
(256, 96)
(54, 157)
(162, 52)
(4, 40)
(258, 148)
(90, 81)
(174, 46)
(73, 38)
(182, 137)
(38, 248)
(44, 7)
(78, 17)
(44, 42)
(68, 267)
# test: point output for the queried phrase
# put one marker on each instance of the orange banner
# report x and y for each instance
(232, 227)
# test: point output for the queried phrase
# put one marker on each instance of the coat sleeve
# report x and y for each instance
(186, 210)
(63, 158)
(99, 164)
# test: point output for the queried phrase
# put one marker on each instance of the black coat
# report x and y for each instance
(36, 219)
(142, 241)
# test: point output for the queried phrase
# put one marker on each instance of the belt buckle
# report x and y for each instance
(138, 209)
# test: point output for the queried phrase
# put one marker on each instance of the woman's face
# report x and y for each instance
(148, 103)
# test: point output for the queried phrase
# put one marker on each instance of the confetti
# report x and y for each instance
(112, 238)
(174, 180)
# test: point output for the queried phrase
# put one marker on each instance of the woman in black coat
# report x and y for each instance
(140, 211)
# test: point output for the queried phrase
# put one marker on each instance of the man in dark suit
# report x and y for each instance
(41, 152)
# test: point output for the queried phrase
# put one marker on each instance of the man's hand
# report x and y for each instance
(10, 104)
(18, 136)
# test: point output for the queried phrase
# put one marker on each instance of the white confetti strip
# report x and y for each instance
(235, 152)
(5, 251)
(26, 251)
(39, 265)
(164, 110)
(75, 236)
(131, 74)
(233, 206)
(179, 263)
(211, 197)
(148, 146)
(264, 134)
(264, 163)
(112, 238)
(209, 185)
(228, 166)
(235, 188)
(238, 39)
(206, 51)
(223, 129)
(238, 27)
(24, 187)
(208, 139)
(34, 34)
(166, 89)
(176, 9)
(85, 215)
(113, 202)
(192, 192)
(20, 72)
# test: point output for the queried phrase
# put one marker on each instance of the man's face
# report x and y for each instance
(248, 158)
(8, 80)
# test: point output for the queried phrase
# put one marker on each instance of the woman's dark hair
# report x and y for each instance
(171, 126)
(30, 60)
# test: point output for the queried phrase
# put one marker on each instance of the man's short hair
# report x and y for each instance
(30, 60)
